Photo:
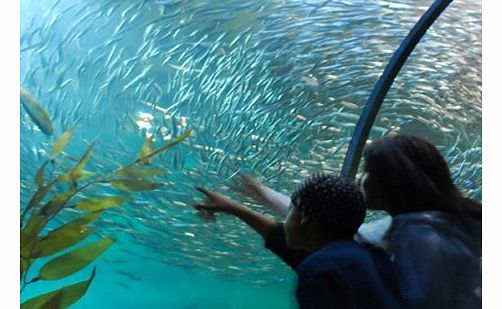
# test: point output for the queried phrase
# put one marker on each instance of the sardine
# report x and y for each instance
(36, 111)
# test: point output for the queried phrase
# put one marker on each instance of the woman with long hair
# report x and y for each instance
(435, 236)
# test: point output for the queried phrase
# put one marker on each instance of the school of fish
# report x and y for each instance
(269, 88)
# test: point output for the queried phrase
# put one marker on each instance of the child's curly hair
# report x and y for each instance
(335, 201)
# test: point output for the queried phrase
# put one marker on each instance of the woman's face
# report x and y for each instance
(372, 192)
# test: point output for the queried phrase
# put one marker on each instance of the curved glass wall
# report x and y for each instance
(271, 88)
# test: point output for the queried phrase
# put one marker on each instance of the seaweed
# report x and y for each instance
(36, 216)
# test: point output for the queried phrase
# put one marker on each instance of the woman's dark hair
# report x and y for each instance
(336, 202)
(413, 176)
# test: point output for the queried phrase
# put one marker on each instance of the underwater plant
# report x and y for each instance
(36, 216)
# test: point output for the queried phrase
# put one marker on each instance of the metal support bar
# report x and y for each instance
(367, 118)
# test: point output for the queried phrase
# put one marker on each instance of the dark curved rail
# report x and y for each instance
(365, 122)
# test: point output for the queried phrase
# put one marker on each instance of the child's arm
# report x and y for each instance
(216, 202)
(271, 231)
(264, 195)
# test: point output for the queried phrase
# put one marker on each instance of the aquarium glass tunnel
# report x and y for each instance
(126, 105)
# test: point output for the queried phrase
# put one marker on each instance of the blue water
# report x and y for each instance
(125, 280)
(272, 88)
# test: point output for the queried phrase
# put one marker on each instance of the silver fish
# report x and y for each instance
(36, 111)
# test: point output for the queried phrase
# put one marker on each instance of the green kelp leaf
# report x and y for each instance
(74, 260)
(39, 195)
(74, 175)
(157, 152)
(51, 246)
(78, 172)
(82, 163)
(65, 236)
(25, 264)
(75, 225)
(36, 111)
(54, 302)
(34, 226)
(39, 177)
(133, 185)
(57, 203)
(139, 172)
(70, 294)
(146, 149)
(101, 202)
(29, 234)
(61, 142)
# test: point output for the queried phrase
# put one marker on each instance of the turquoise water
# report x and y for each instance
(272, 88)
